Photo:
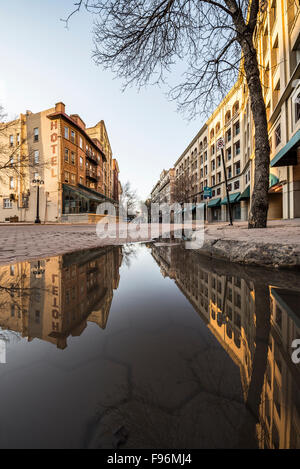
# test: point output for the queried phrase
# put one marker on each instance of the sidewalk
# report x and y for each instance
(276, 246)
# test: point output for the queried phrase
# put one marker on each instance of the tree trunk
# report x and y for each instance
(247, 432)
(259, 206)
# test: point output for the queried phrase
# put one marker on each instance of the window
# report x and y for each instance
(236, 185)
(66, 154)
(247, 177)
(36, 176)
(236, 128)
(67, 176)
(218, 191)
(213, 180)
(237, 168)
(277, 135)
(228, 135)
(237, 148)
(66, 132)
(11, 140)
(73, 178)
(80, 142)
(11, 183)
(219, 177)
(72, 136)
(36, 135)
(81, 162)
(229, 170)
(228, 154)
(18, 139)
(81, 180)
(36, 157)
(297, 108)
(213, 165)
(72, 157)
(7, 203)
(229, 187)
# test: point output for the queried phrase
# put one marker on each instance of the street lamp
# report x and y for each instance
(38, 183)
(38, 271)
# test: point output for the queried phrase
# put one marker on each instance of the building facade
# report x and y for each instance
(163, 191)
(200, 165)
(73, 162)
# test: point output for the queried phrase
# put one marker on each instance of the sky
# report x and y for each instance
(43, 63)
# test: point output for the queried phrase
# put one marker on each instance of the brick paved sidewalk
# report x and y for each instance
(23, 241)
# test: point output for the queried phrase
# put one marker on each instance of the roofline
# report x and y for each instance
(203, 128)
(72, 122)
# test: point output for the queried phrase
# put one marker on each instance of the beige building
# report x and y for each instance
(163, 191)
(200, 165)
(73, 162)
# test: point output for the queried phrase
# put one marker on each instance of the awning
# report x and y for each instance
(287, 156)
(82, 193)
(273, 180)
(233, 198)
(246, 194)
(214, 203)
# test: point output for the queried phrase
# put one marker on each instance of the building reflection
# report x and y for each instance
(55, 298)
(239, 312)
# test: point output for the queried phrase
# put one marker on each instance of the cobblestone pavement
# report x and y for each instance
(22, 242)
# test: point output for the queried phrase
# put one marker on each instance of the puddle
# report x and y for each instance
(147, 346)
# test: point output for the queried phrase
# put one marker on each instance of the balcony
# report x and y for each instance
(92, 175)
(92, 158)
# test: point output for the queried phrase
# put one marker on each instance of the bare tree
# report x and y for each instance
(128, 199)
(15, 157)
(141, 40)
(182, 188)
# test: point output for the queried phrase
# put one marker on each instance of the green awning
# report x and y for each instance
(273, 180)
(287, 156)
(246, 194)
(233, 198)
(214, 203)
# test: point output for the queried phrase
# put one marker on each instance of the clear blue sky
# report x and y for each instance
(43, 63)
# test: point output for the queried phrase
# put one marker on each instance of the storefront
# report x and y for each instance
(214, 213)
(235, 204)
(77, 200)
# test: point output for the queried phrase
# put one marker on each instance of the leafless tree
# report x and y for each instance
(16, 159)
(128, 197)
(140, 41)
(182, 188)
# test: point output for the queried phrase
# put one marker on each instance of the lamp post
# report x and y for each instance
(37, 183)
(38, 271)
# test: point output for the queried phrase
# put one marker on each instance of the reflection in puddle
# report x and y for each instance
(154, 374)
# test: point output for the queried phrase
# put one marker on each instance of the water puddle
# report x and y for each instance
(148, 346)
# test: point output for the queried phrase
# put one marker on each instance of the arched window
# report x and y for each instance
(218, 126)
(235, 107)
(212, 133)
(227, 117)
